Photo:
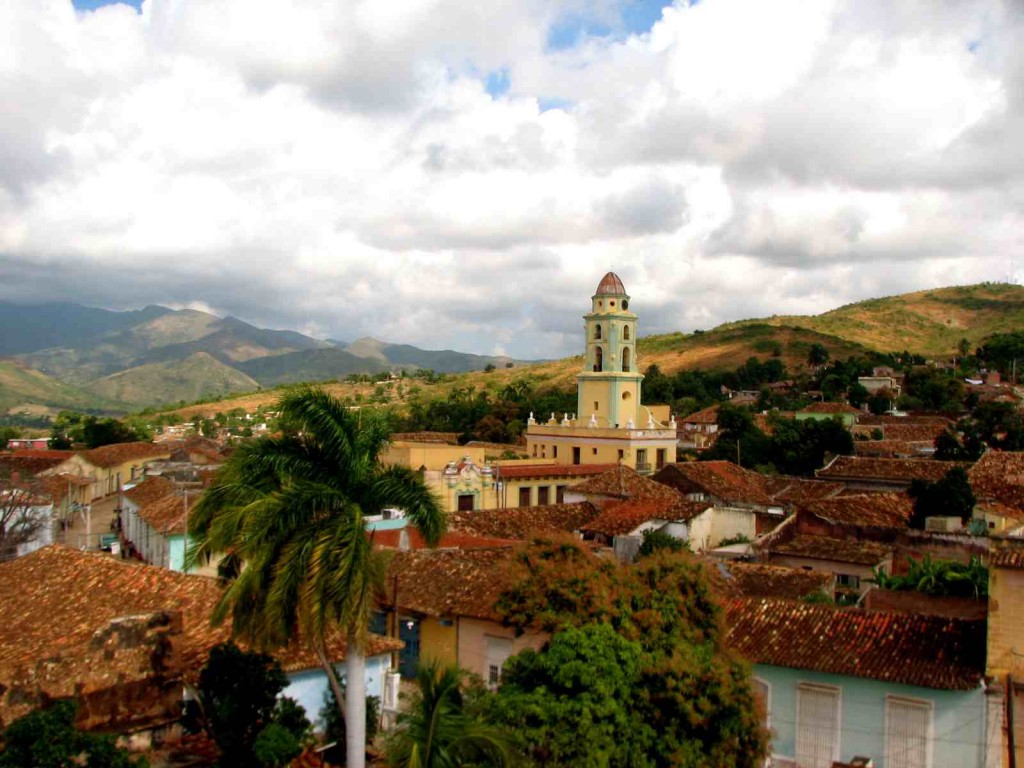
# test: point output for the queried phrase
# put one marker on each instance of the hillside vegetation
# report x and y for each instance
(23, 390)
(927, 322)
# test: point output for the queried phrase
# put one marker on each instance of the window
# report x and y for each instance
(598, 360)
(597, 331)
(817, 725)
(625, 360)
(625, 330)
(661, 458)
(763, 696)
(560, 494)
(575, 455)
(625, 304)
(847, 580)
(908, 728)
(554, 451)
(543, 496)
(498, 651)
(597, 406)
(594, 451)
(524, 497)
(622, 454)
(465, 502)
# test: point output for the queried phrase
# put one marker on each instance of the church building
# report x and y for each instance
(610, 425)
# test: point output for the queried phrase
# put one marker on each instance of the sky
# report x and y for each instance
(460, 174)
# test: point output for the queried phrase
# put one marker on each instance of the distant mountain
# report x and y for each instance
(407, 356)
(23, 389)
(30, 327)
(308, 365)
(199, 375)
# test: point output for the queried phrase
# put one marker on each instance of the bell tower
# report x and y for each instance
(608, 388)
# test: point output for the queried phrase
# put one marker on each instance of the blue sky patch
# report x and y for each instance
(92, 5)
(546, 104)
(496, 82)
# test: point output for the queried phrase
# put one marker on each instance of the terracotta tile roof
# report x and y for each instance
(1007, 554)
(707, 415)
(834, 409)
(721, 479)
(150, 489)
(167, 515)
(119, 453)
(619, 519)
(517, 471)
(999, 476)
(891, 449)
(451, 540)
(622, 482)
(998, 509)
(868, 510)
(57, 486)
(611, 284)
(927, 651)
(868, 419)
(521, 522)
(796, 490)
(836, 550)
(451, 582)
(55, 599)
(896, 470)
(925, 433)
(32, 462)
(733, 578)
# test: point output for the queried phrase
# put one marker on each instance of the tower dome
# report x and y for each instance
(611, 285)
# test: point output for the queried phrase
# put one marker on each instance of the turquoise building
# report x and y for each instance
(905, 691)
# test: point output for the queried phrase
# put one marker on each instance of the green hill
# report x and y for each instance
(927, 322)
(197, 376)
(25, 390)
(308, 365)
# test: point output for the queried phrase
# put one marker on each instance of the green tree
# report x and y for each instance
(47, 738)
(818, 355)
(440, 728)
(949, 497)
(655, 541)
(238, 699)
(293, 509)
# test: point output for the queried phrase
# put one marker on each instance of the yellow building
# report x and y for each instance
(610, 425)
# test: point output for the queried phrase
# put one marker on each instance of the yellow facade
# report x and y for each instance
(610, 426)
(439, 640)
(432, 456)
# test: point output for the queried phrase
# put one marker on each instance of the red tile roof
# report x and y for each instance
(1007, 554)
(795, 490)
(707, 415)
(925, 433)
(721, 479)
(522, 522)
(896, 470)
(867, 419)
(32, 462)
(927, 651)
(118, 453)
(392, 539)
(835, 550)
(834, 409)
(624, 483)
(150, 489)
(999, 476)
(167, 515)
(55, 599)
(611, 284)
(868, 510)
(518, 471)
(619, 519)
(451, 582)
(733, 578)
(891, 449)
(442, 438)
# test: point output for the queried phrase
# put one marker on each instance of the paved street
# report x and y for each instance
(86, 535)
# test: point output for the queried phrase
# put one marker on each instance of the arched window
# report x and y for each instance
(625, 332)
(598, 360)
(625, 359)
(597, 331)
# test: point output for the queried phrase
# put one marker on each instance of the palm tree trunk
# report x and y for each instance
(355, 704)
(332, 677)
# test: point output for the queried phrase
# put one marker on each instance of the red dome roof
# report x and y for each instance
(611, 284)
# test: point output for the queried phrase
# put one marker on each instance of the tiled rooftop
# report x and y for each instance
(392, 539)
(451, 582)
(622, 482)
(521, 522)
(619, 519)
(721, 479)
(835, 550)
(733, 578)
(54, 600)
(119, 453)
(869, 510)
(150, 489)
(891, 449)
(442, 438)
(999, 475)
(707, 415)
(796, 490)
(30, 462)
(896, 470)
(1007, 554)
(833, 409)
(926, 651)
(167, 515)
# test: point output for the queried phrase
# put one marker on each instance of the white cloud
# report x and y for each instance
(340, 167)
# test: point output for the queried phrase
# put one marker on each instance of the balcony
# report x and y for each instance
(644, 467)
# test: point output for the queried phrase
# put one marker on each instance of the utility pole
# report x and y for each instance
(739, 463)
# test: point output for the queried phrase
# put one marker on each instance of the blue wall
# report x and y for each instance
(958, 723)
(309, 687)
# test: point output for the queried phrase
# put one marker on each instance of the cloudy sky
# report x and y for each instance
(458, 173)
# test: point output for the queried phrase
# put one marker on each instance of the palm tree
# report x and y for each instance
(288, 512)
(437, 731)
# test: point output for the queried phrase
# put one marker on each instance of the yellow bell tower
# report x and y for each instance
(610, 425)
(608, 388)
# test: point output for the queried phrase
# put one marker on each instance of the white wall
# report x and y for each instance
(309, 686)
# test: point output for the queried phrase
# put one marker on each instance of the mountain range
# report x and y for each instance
(68, 355)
